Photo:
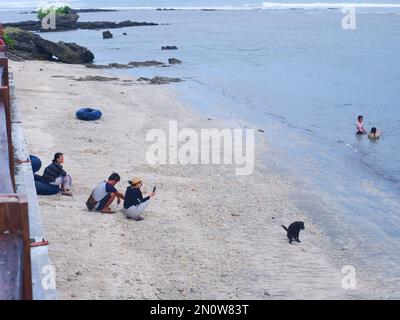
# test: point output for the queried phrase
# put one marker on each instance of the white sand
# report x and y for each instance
(189, 245)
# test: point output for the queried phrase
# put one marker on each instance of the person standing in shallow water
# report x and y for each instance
(360, 126)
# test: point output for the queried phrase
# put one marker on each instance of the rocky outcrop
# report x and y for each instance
(107, 35)
(132, 64)
(66, 21)
(174, 61)
(151, 63)
(161, 80)
(94, 10)
(96, 25)
(169, 48)
(30, 46)
(96, 78)
(81, 11)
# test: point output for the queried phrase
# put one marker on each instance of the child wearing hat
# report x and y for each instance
(134, 203)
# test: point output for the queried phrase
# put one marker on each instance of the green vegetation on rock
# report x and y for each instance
(7, 37)
(42, 12)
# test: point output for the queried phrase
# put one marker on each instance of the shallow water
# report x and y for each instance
(303, 79)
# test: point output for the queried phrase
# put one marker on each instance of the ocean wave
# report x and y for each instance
(32, 4)
(327, 5)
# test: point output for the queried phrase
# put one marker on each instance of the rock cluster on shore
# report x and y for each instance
(30, 46)
(160, 80)
(134, 64)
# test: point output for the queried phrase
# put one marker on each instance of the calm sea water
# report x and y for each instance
(303, 79)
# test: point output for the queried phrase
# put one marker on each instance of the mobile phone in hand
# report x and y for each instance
(154, 189)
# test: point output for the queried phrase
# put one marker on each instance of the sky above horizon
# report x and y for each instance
(26, 4)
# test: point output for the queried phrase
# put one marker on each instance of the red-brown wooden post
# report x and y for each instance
(4, 65)
(14, 220)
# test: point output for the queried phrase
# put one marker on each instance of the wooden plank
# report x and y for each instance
(14, 219)
(11, 267)
(4, 65)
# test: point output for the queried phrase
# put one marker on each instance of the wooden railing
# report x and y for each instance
(15, 257)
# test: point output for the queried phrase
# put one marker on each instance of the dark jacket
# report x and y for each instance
(53, 171)
(133, 197)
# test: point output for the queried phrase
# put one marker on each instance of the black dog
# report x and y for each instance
(294, 230)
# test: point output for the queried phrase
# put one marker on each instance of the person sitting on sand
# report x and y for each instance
(374, 134)
(105, 193)
(55, 175)
(134, 203)
(360, 125)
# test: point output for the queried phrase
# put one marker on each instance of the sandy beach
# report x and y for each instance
(207, 234)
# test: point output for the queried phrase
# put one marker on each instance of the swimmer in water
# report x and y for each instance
(360, 125)
(374, 134)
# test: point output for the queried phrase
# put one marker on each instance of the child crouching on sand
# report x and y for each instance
(134, 203)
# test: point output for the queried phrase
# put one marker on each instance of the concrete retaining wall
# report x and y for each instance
(43, 273)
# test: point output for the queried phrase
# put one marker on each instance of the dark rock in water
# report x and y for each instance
(66, 21)
(174, 61)
(97, 66)
(80, 11)
(107, 35)
(169, 48)
(25, 25)
(132, 64)
(143, 79)
(118, 66)
(95, 78)
(94, 10)
(30, 46)
(160, 80)
(96, 25)
(151, 63)
(164, 80)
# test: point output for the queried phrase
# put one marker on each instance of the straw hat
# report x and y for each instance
(135, 181)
